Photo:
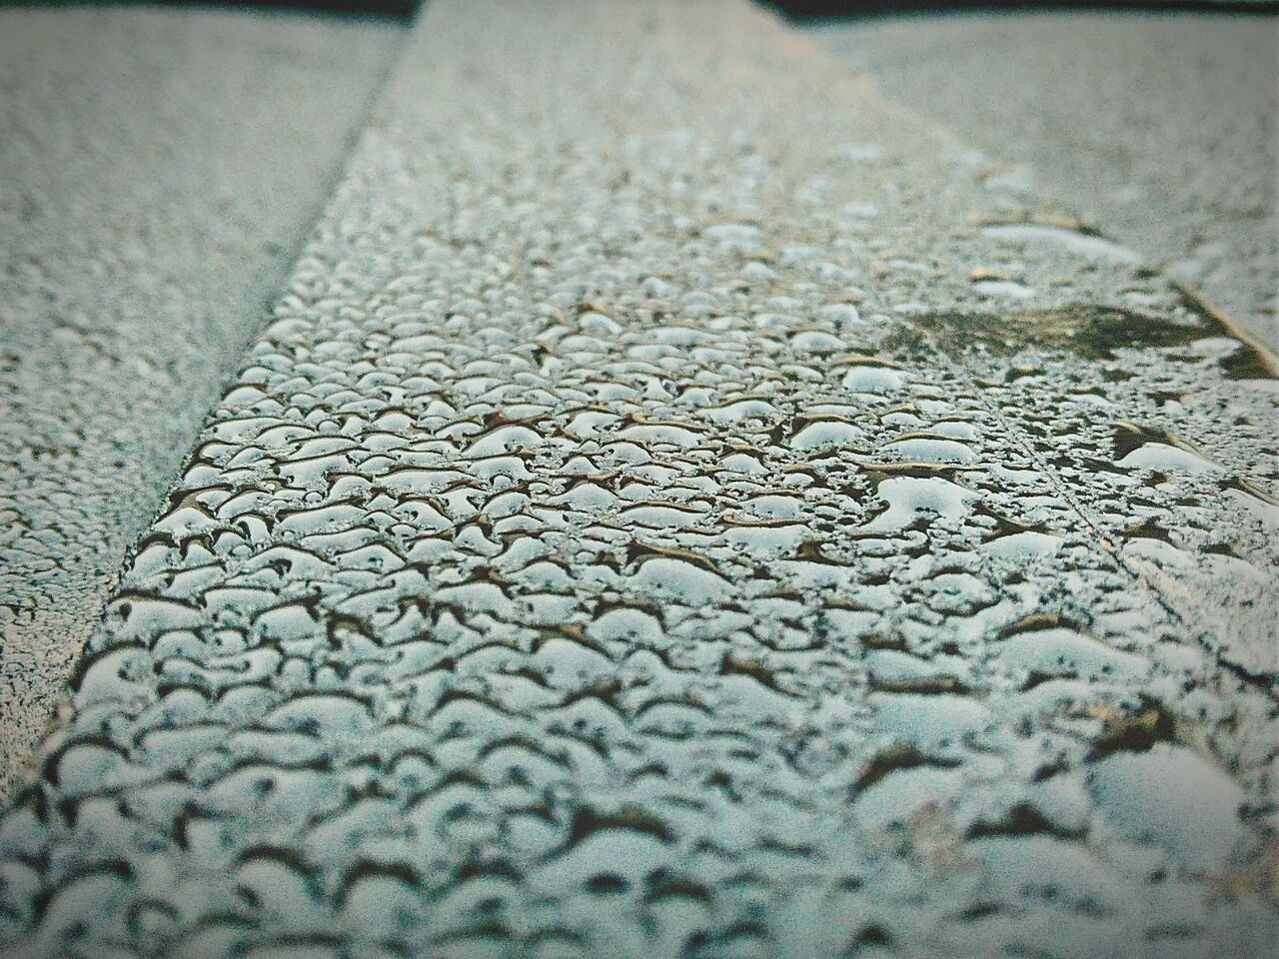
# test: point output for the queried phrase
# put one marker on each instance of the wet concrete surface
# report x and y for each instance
(684, 505)
(159, 171)
(1159, 128)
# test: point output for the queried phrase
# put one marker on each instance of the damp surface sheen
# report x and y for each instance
(634, 536)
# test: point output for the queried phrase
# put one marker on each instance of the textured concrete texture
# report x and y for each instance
(159, 172)
(684, 506)
(1160, 129)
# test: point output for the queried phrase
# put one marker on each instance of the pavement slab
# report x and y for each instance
(1157, 127)
(160, 170)
(685, 506)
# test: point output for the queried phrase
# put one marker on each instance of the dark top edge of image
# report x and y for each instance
(405, 10)
(829, 9)
(394, 10)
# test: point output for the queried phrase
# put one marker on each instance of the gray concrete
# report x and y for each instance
(157, 172)
(1160, 129)
(685, 506)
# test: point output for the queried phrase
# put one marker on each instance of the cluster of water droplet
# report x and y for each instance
(582, 564)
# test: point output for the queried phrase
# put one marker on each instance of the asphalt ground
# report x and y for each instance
(160, 169)
(1158, 128)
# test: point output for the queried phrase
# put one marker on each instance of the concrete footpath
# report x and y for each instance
(685, 506)
(160, 170)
